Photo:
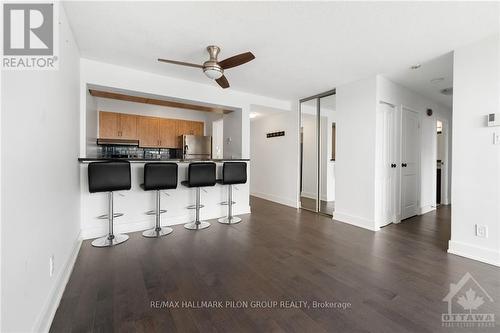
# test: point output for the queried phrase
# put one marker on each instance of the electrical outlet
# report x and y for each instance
(51, 265)
(481, 231)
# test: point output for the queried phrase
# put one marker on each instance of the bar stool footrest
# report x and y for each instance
(225, 203)
(153, 212)
(106, 216)
(194, 206)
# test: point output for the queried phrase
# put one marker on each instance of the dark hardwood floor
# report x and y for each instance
(395, 279)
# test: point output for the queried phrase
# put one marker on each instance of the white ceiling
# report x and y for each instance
(301, 48)
(439, 69)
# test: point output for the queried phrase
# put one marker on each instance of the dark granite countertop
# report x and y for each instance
(142, 160)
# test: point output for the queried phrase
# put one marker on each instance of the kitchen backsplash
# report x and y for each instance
(114, 151)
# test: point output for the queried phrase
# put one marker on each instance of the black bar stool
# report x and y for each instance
(108, 177)
(157, 177)
(232, 173)
(200, 174)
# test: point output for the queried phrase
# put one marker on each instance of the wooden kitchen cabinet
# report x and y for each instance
(148, 130)
(108, 125)
(190, 127)
(169, 137)
(152, 132)
(198, 127)
(128, 126)
(114, 125)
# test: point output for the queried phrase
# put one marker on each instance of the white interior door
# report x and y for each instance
(410, 163)
(388, 164)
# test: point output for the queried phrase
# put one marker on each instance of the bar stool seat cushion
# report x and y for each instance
(234, 173)
(200, 174)
(160, 176)
(109, 176)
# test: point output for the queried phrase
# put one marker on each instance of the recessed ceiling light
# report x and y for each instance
(416, 66)
(253, 115)
(437, 80)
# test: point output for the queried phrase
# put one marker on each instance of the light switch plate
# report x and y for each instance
(496, 138)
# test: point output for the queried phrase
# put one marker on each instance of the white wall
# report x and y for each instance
(218, 138)
(355, 162)
(92, 121)
(476, 161)
(232, 138)
(40, 187)
(398, 95)
(274, 161)
(108, 75)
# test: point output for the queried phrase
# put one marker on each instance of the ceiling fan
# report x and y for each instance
(213, 68)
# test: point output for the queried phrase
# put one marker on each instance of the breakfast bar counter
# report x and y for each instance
(136, 202)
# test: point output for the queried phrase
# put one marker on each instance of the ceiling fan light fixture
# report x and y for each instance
(213, 72)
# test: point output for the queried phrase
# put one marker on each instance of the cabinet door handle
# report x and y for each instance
(404, 165)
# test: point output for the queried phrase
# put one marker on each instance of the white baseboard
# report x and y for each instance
(44, 320)
(355, 221)
(426, 209)
(277, 199)
(134, 226)
(474, 252)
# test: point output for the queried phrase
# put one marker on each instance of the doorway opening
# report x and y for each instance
(318, 152)
(442, 170)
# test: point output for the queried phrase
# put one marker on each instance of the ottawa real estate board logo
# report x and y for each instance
(29, 36)
(466, 301)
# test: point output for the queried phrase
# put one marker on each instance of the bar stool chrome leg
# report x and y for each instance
(230, 219)
(157, 231)
(197, 224)
(111, 239)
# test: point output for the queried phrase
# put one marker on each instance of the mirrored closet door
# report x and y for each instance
(317, 153)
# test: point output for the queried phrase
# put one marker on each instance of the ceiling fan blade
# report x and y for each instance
(222, 81)
(180, 63)
(236, 60)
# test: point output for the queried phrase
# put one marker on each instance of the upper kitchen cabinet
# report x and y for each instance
(152, 132)
(128, 126)
(114, 125)
(168, 133)
(108, 125)
(148, 130)
(186, 127)
(198, 127)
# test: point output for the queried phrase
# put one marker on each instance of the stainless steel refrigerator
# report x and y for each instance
(196, 147)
